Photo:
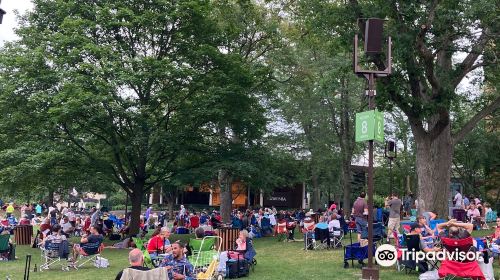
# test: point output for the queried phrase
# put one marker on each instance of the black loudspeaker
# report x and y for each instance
(391, 146)
(374, 28)
(390, 149)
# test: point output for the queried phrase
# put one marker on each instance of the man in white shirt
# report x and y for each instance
(66, 227)
(458, 200)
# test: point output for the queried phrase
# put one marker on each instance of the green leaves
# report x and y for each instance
(133, 90)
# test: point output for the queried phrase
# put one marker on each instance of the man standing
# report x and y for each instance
(394, 215)
(94, 217)
(147, 215)
(38, 210)
(360, 212)
(136, 260)
(458, 200)
(178, 266)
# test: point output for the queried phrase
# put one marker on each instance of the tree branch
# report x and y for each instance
(467, 64)
(469, 126)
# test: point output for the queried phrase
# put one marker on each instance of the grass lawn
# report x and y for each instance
(276, 260)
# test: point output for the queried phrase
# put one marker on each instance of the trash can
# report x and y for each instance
(460, 215)
(23, 234)
(228, 236)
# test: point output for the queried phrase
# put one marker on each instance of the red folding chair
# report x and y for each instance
(281, 231)
(456, 267)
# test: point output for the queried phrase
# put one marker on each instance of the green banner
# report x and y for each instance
(370, 126)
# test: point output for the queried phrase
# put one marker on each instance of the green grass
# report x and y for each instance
(276, 260)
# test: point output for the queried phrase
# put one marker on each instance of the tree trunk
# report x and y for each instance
(226, 196)
(315, 203)
(170, 204)
(346, 183)
(434, 159)
(136, 201)
(51, 198)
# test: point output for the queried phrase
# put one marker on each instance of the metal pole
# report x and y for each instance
(391, 179)
(371, 106)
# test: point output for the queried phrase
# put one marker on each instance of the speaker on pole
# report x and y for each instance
(374, 27)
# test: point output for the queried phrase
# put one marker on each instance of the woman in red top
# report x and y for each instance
(160, 244)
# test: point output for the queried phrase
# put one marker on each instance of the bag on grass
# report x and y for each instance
(237, 268)
(429, 275)
(101, 262)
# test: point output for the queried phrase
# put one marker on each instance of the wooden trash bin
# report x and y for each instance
(23, 234)
(228, 236)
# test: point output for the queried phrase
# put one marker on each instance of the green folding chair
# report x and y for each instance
(4, 246)
(202, 251)
(139, 244)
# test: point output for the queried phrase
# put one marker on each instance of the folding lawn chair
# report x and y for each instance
(336, 237)
(463, 268)
(148, 261)
(413, 244)
(282, 231)
(5, 247)
(378, 233)
(308, 238)
(204, 255)
(321, 238)
(52, 254)
(92, 254)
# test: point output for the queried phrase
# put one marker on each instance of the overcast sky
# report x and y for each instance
(10, 19)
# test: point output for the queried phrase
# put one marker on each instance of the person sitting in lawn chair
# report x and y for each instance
(177, 264)
(244, 250)
(454, 229)
(136, 260)
(160, 244)
(56, 236)
(496, 234)
(308, 230)
(89, 244)
(199, 233)
(456, 237)
(7, 248)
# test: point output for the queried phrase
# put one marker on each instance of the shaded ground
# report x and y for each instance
(276, 260)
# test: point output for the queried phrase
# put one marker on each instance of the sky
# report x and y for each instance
(10, 19)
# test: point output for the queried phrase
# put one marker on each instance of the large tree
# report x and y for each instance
(119, 82)
(437, 44)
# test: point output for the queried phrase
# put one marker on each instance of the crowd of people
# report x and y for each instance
(57, 225)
